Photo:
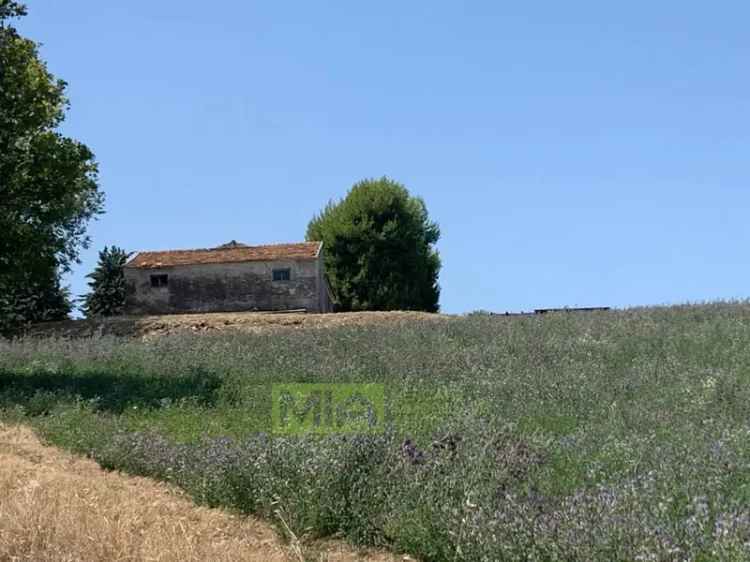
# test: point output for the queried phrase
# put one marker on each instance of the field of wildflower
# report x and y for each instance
(607, 436)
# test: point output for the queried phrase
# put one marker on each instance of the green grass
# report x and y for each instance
(597, 436)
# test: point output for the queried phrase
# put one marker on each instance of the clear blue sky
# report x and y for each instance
(573, 153)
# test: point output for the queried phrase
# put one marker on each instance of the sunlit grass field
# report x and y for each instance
(618, 435)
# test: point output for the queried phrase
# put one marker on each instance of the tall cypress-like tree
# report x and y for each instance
(378, 245)
(48, 182)
(107, 294)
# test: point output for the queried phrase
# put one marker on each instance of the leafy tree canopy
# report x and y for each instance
(38, 298)
(378, 245)
(107, 294)
(10, 9)
(48, 182)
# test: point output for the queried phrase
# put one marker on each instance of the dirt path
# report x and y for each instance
(146, 326)
(56, 506)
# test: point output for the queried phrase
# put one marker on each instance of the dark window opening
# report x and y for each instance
(159, 280)
(282, 274)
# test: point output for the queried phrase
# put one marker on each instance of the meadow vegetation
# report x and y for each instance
(606, 436)
(58, 506)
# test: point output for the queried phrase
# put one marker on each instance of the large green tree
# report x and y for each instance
(378, 245)
(107, 286)
(48, 182)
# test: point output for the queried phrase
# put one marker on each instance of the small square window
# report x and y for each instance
(282, 274)
(159, 280)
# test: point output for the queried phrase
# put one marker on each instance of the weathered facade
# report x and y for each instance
(229, 278)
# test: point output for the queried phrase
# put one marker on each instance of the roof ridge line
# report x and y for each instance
(219, 248)
(152, 259)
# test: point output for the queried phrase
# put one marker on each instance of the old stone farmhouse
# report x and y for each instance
(231, 277)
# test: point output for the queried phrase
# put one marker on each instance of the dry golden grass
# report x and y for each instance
(148, 326)
(58, 507)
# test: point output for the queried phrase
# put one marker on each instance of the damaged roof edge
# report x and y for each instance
(235, 254)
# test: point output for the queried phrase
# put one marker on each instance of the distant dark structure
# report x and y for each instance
(579, 309)
(548, 310)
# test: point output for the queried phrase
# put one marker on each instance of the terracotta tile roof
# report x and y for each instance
(227, 254)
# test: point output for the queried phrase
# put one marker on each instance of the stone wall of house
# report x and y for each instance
(226, 287)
